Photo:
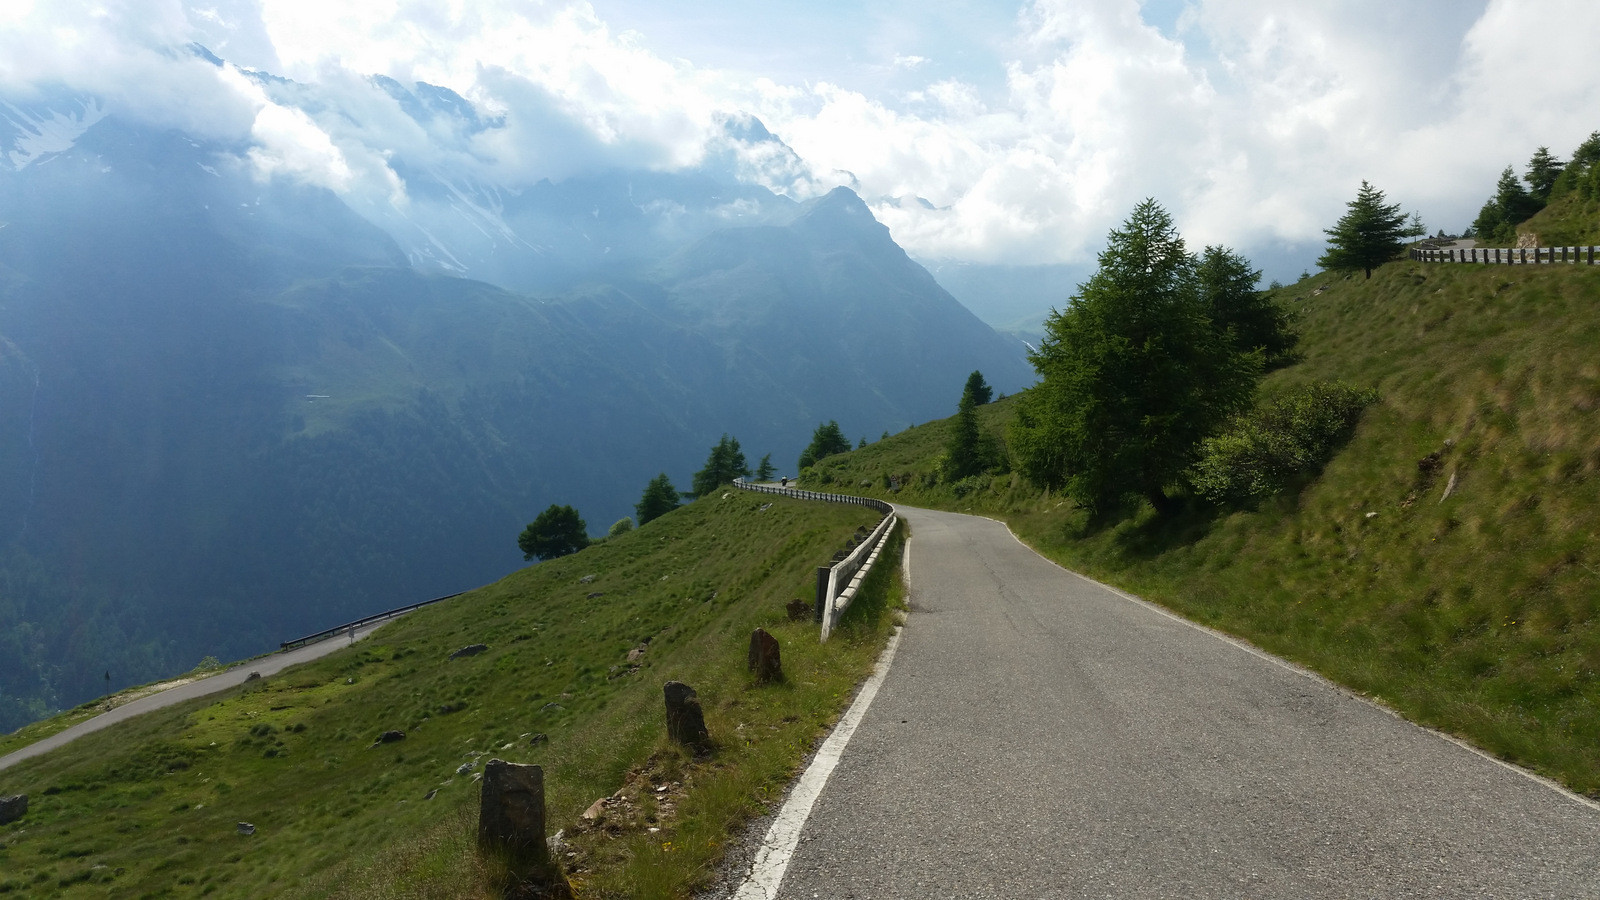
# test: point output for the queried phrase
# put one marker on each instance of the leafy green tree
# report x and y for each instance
(827, 440)
(1133, 375)
(765, 471)
(1543, 170)
(660, 498)
(557, 531)
(1368, 235)
(620, 527)
(1250, 318)
(978, 389)
(725, 463)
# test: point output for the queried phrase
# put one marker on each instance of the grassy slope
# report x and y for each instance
(149, 808)
(1570, 221)
(1474, 613)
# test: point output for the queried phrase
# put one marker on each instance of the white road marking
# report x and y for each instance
(772, 859)
(1304, 672)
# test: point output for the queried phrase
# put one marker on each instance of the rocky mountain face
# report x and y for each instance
(234, 409)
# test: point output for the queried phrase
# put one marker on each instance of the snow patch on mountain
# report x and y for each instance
(28, 133)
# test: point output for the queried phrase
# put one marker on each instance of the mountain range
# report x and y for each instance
(237, 406)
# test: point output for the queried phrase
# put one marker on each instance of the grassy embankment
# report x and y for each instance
(1446, 560)
(149, 808)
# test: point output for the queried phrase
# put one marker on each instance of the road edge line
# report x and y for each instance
(1304, 672)
(778, 846)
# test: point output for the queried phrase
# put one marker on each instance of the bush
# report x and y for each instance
(620, 527)
(1264, 449)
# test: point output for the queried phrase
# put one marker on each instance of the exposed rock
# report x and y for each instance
(537, 739)
(511, 822)
(595, 595)
(765, 659)
(13, 808)
(446, 709)
(469, 650)
(464, 768)
(798, 609)
(635, 653)
(587, 579)
(246, 828)
(1449, 488)
(686, 722)
(596, 810)
(431, 794)
(253, 676)
(389, 737)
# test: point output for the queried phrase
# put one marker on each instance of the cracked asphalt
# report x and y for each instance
(1040, 735)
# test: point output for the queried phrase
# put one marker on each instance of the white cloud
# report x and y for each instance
(1252, 121)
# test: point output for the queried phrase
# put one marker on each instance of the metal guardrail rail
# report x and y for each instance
(833, 600)
(1519, 256)
(348, 627)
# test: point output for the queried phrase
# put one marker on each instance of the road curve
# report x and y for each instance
(1040, 735)
(266, 665)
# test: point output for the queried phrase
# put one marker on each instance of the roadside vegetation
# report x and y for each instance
(1439, 554)
(577, 651)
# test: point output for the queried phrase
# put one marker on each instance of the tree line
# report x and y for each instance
(1147, 383)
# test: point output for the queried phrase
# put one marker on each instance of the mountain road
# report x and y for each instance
(1040, 735)
(270, 664)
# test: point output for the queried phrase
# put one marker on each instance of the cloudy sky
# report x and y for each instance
(1031, 127)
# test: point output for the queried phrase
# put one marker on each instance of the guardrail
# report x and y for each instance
(1520, 256)
(832, 600)
(348, 627)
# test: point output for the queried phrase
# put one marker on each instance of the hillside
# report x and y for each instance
(150, 807)
(1445, 560)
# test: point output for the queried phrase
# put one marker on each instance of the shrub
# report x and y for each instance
(1264, 449)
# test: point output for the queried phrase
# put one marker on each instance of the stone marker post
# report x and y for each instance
(765, 658)
(686, 722)
(13, 808)
(511, 821)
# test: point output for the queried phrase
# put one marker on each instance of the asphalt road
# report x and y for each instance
(1040, 735)
(266, 665)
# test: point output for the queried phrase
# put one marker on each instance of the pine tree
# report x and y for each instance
(1132, 374)
(557, 531)
(827, 440)
(978, 389)
(725, 463)
(660, 498)
(765, 471)
(1249, 317)
(1510, 206)
(1543, 170)
(1368, 235)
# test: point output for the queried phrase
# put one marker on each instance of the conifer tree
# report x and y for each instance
(557, 531)
(725, 463)
(1133, 375)
(978, 389)
(827, 440)
(660, 498)
(1368, 235)
(1248, 317)
(765, 471)
(1543, 170)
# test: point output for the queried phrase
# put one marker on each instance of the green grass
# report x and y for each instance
(1476, 613)
(149, 808)
(1569, 221)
